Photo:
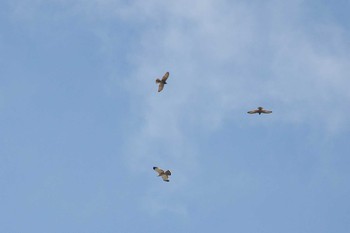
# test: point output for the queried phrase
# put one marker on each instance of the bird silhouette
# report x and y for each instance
(260, 110)
(164, 174)
(162, 82)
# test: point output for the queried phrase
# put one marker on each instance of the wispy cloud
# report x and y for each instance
(223, 57)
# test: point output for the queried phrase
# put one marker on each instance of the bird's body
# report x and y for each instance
(260, 110)
(164, 174)
(162, 81)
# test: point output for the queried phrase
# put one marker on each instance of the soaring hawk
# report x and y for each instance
(260, 110)
(164, 174)
(162, 82)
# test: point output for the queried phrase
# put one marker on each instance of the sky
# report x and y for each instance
(82, 124)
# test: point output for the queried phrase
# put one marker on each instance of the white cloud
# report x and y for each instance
(224, 57)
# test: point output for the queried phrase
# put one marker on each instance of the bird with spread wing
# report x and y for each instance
(162, 81)
(164, 174)
(260, 110)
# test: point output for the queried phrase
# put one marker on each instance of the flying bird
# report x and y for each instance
(260, 110)
(165, 175)
(162, 82)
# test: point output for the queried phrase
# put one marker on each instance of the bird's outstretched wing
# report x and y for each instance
(165, 177)
(253, 111)
(160, 87)
(266, 111)
(166, 76)
(160, 171)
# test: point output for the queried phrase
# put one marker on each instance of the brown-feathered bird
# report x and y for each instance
(162, 82)
(164, 174)
(260, 110)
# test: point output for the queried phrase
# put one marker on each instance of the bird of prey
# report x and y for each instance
(260, 110)
(164, 174)
(162, 82)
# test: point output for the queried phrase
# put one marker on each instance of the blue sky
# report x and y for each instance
(82, 123)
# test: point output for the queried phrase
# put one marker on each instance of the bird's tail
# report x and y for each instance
(158, 80)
